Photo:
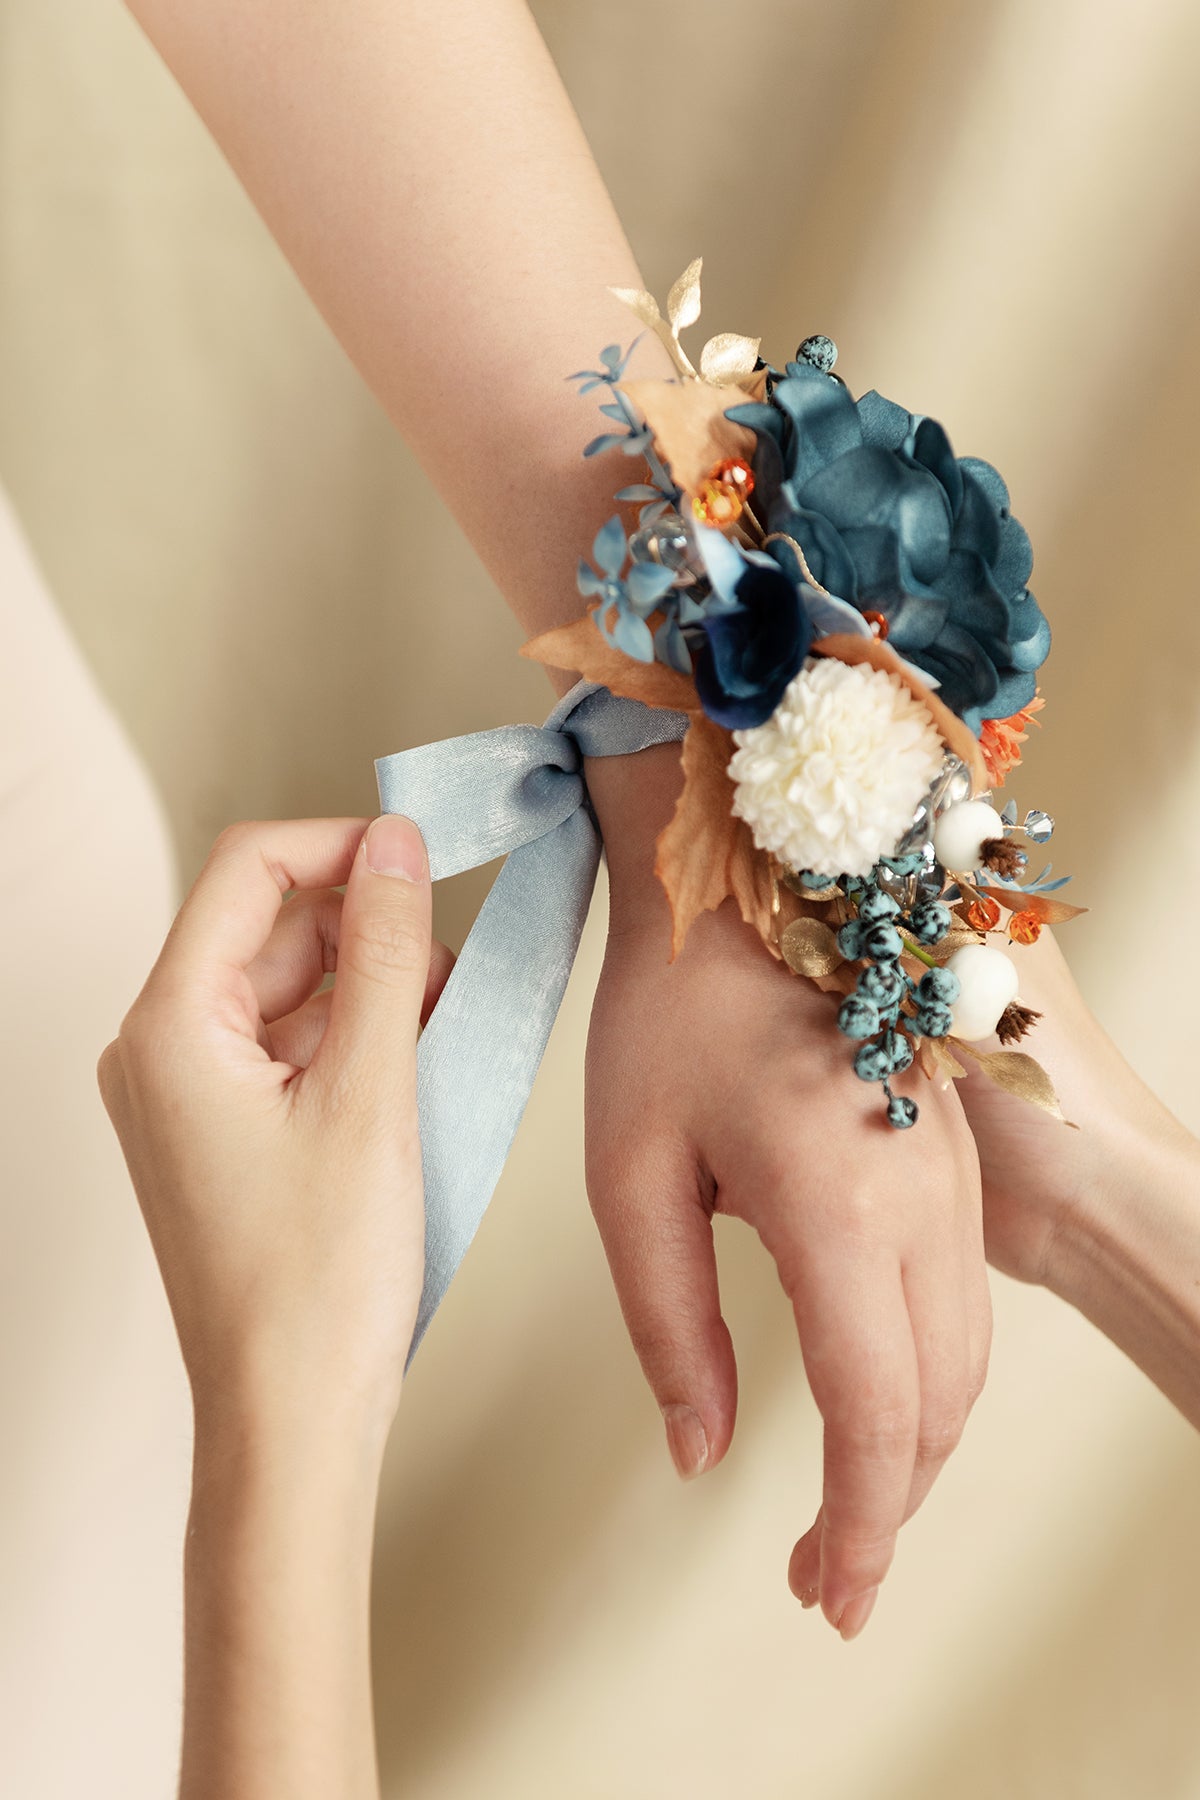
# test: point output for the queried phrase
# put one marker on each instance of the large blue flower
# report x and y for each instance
(891, 520)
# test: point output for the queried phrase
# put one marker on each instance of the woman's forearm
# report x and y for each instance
(277, 1605)
(1129, 1258)
(422, 168)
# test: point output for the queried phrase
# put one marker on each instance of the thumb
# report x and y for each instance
(382, 959)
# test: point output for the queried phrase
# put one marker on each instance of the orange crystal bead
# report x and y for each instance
(983, 914)
(878, 624)
(1024, 928)
(718, 503)
(737, 472)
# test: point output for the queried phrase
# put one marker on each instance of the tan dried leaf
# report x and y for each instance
(728, 357)
(705, 854)
(689, 425)
(811, 948)
(1019, 1074)
(958, 736)
(580, 648)
(644, 305)
(683, 301)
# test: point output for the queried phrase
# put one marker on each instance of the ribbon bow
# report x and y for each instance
(517, 792)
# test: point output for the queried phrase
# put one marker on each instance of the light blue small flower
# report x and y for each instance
(626, 602)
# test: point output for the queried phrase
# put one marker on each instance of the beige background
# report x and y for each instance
(992, 207)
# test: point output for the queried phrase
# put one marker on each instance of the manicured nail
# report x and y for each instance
(393, 846)
(857, 1613)
(686, 1440)
(808, 1597)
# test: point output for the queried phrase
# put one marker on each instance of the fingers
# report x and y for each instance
(441, 967)
(658, 1237)
(229, 914)
(294, 1038)
(862, 1367)
(303, 948)
(952, 1353)
(300, 952)
(383, 963)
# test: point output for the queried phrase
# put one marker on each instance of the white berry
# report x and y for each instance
(962, 831)
(989, 984)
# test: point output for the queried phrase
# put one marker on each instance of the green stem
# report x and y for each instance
(930, 962)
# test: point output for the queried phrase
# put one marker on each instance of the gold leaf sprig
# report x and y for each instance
(724, 360)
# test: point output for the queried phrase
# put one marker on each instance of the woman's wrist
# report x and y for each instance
(1124, 1254)
(633, 798)
(282, 1417)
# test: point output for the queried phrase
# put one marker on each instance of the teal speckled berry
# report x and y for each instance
(858, 1018)
(882, 943)
(904, 865)
(872, 1063)
(850, 940)
(876, 907)
(900, 1049)
(930, 922)
(933, 1019)
(940, 984)
(819, 351)
(883, 983)
(902, 1112)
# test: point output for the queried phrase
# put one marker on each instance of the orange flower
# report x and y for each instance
(1001, 740)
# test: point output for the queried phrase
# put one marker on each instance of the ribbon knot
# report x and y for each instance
(517, 792)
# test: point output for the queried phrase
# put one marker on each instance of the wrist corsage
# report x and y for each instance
(839, 605)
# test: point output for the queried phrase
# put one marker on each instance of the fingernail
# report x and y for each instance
(686, 1440)
(857, 1613)
(808, 1597)
(394, 846)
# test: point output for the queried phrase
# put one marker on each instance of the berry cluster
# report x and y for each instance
(888, 1009)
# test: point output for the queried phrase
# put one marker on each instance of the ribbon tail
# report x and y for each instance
(481, 1050)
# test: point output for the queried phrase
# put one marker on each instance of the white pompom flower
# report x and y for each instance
(832, 779)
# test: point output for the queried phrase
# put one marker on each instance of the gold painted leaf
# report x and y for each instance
(728, 357)
(945, 1060)
(579, 648)
(689, 425)
(954, 733)
(1021, 1075)
(811, 948)
(683, 301)
(640, 302)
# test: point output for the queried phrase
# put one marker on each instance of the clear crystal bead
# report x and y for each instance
(666, 540)
(1038, 826)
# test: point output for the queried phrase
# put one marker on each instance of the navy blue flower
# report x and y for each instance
(757, 634)
(891, 520)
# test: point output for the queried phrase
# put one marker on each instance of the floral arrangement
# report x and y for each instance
(840, 606)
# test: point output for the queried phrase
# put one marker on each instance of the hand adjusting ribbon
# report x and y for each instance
(517, 792)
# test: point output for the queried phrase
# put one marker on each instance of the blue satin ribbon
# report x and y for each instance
(517, 792)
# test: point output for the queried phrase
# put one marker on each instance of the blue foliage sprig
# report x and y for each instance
(636, 440)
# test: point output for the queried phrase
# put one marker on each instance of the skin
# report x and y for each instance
(395, 151)
(270, 1128)
(271, 1134)
(1105, 1216)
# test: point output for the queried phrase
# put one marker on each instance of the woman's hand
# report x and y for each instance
(271, 1129)
(271, 1132)
(720, 1083)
